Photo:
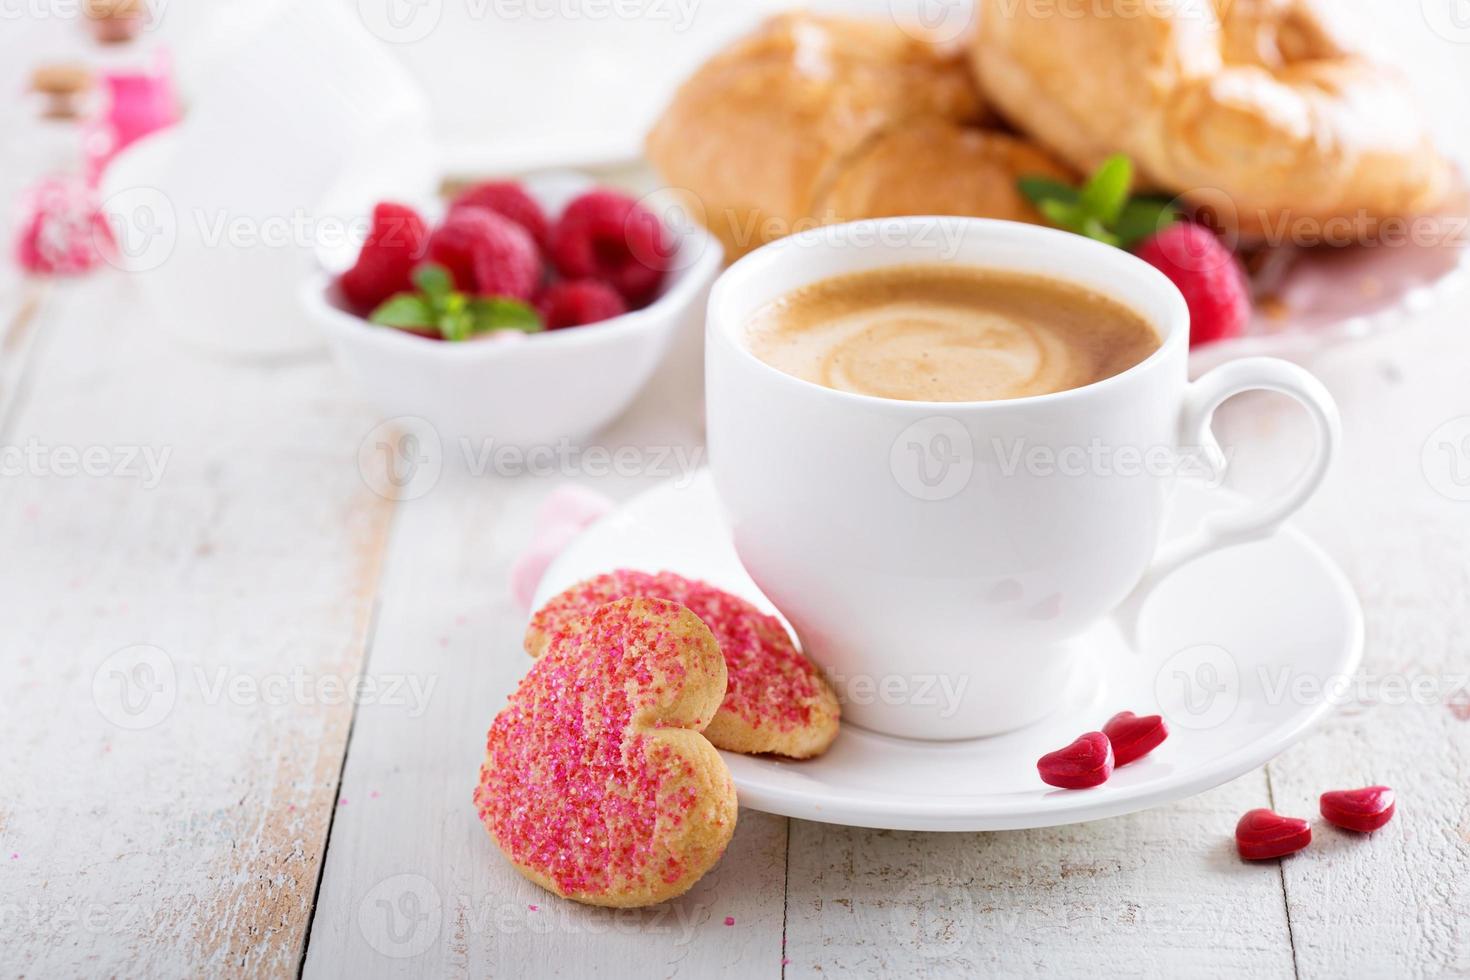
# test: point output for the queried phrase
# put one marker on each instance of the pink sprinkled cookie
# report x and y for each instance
(597, 783)
(776, 701)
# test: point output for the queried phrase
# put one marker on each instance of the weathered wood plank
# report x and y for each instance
(413, 885)
(1158, 893)
(21, 304)
(1395, 903)
(175, 624)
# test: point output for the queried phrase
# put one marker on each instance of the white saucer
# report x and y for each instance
(1238, 650)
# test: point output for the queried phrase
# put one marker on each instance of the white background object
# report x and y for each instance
(220, 217)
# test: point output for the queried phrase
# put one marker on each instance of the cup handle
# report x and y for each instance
(1258, 519)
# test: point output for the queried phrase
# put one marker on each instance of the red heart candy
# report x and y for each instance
(1134, 737)
(1359, 809)
(1262, 834)
(1086, 762)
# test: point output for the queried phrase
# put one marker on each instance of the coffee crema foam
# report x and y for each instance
(948, 334)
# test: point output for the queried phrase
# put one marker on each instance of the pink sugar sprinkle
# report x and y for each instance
(570, 785)
(461, 619)
(373, 795)
(729, 920)
(534, 908)
(785, 961)
(15, 857)
(342, 801)
(444, 641)
(770, 683)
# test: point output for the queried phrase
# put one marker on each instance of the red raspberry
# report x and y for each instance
(393, 247)
(573, 302)
(509, 200)
(609, 236)
(486, 254)
(1209, 276)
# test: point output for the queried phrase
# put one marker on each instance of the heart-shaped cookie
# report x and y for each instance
(597, 783)
(776, 700)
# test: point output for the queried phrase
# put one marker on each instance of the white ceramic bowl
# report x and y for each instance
(559, 385)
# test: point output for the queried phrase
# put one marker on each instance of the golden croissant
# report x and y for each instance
(1253, 108)
(811, 120)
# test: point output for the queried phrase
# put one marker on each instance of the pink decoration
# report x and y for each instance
(564, 514)
(138, 103)
(571, 504)
(62, 230)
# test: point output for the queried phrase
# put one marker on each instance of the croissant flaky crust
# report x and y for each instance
(1254, 108)
(812, 120)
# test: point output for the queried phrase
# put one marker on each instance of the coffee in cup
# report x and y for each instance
(944, 333)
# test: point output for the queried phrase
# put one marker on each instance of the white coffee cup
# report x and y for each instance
(919, 547)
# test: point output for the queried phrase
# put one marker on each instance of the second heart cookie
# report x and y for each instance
(776, 700)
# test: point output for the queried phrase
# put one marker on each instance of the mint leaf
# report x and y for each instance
(1104, 195)
(1094, 229)
(1040, 189)
(1144, 217)
(403, 310)
(455, 320)
(501, 313)
(1067, 216)
(1101, 209)
(433, 281)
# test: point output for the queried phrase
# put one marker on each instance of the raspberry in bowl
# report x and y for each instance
(466, 321)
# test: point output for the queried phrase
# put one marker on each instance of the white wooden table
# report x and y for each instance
(213, 804)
